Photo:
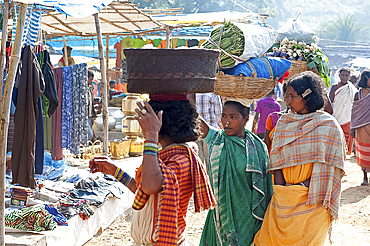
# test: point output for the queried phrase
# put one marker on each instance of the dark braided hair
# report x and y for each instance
(179, 121)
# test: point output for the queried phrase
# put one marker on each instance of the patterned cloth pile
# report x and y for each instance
(35, 218)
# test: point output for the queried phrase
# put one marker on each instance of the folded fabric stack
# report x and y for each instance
(19, 196)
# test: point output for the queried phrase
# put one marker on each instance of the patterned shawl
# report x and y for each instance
(360, 111)
(312, 138)
(170, 196)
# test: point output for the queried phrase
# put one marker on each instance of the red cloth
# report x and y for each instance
(168, 97)
(349, 139)
(56, 132)
(286, 74)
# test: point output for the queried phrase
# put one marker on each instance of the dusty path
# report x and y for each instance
(352, 228)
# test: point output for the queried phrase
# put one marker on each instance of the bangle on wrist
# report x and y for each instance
(150, 148)
(122, 176)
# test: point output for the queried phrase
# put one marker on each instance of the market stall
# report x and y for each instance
(14, 60)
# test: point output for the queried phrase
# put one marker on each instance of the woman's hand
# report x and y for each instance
(204, 127)
(102, 164)
(149, 121)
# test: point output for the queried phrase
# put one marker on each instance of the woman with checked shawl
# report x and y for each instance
(307, 159)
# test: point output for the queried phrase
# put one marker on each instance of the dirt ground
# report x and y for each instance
(352, 227)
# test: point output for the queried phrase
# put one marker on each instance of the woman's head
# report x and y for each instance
(179, 120)
(305, 93)
(365, 79)
(344, 74)
(234, 117)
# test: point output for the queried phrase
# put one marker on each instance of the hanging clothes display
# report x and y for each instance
(80, 114)
(31, 26)
(67, 112)
(30, 86)
(47, 123)
(192, 42)
(56, 150)
(39, 144)
(50, 87)
(49, 98)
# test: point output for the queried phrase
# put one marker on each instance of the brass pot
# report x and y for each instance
(130, 126)
(129, 104)
(120, 149)
(136, 146)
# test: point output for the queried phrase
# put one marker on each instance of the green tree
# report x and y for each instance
(199, 6)
(343, 29)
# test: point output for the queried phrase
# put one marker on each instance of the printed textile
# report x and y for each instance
(35, 218)
(67, 112)
(80, 110)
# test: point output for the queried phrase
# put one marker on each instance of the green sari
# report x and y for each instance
(242, 187)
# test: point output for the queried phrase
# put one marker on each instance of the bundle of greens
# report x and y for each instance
(230, 40)
(299, 50)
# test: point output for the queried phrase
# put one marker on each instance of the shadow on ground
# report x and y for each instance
(355, 194)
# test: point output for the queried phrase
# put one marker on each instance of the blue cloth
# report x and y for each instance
(67, 112)
(52, 169)
(39, 146)
(80, 110)
(58, 217)
(279, 67)
(31, 26)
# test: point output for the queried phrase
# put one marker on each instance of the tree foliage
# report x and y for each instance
(199, 6)
(343, 29)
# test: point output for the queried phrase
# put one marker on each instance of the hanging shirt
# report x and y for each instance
(30, 85)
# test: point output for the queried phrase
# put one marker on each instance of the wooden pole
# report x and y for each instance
(168, 32)
(5, 112)
(4, 38)
(104, 86)
(65, 58)
(107, 56)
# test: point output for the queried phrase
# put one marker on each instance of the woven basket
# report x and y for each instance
(171, 71)
(243, 87)
(297, 67)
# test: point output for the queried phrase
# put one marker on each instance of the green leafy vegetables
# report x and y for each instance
(231, 41)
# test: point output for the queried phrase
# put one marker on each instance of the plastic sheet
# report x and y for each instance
(279, 67)
(296, 29)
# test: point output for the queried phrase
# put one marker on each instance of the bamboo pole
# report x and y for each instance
(5, 112)
(168, 33)
(65, 58)
(104, 86)
(4, 38)
(107, 57)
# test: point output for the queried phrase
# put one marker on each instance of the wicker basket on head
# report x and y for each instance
(297, 67)
(243, 87)
(171, 71)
